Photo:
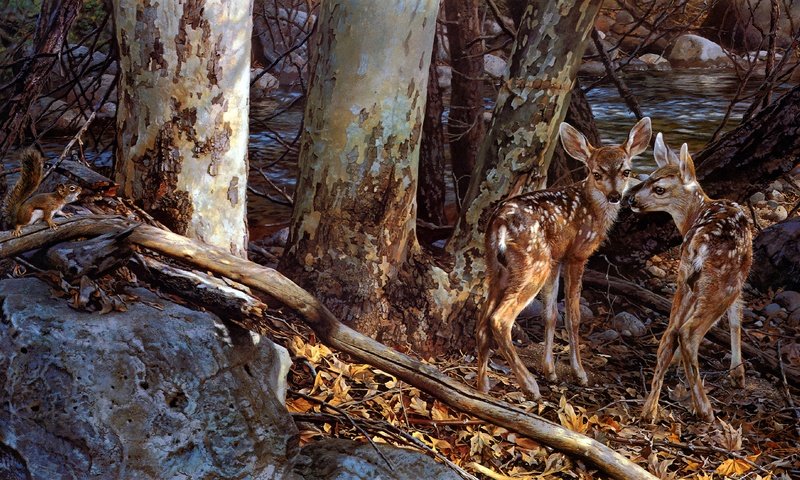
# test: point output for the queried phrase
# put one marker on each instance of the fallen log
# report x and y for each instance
(335, 334)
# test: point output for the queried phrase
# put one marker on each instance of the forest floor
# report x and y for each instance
(756, 434)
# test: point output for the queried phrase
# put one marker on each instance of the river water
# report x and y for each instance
(686, 105)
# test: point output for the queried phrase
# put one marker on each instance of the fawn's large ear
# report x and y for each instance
(687, 165)
(639, 138)
(575, 144)
(663, 154)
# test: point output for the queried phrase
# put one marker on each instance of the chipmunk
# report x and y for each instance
(22, 210)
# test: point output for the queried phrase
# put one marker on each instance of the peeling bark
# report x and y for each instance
(353, 225)
(431, 191)
(516, 152)
(182, 123)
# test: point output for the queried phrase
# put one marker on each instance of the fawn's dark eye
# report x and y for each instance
(597, 176)
(659, 190)
(626, 173)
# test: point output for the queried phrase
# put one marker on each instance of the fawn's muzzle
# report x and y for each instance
(614, 197)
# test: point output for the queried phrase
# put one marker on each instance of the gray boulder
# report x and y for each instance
(694, 51)
(337, 459)
(159, 391)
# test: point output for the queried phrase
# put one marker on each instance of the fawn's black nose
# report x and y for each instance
(629, 201)
(613, 197)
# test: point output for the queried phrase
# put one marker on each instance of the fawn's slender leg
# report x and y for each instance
(667, 348)
(503, 318)
(549, 296)
(483, 343)
(706, 313)
(572, 293)
(735, 322)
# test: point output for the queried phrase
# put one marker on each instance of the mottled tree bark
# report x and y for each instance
(742, 162)
(516, 153)
(182, 121)
(431, 190)
(563, 168)
(465, 126)
(352, 238)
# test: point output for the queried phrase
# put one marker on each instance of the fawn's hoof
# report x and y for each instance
(583, 380)
(650, 411)
(530, 388)
(737, 378)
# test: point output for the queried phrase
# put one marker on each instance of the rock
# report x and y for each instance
(694, 51)
(264, 86)
(599, 338)
(278, 238)
(142, 394)
(772, 204)
(744, 24)
(603, 23)
(592, 68)
(757, 197)
(340, 459)
(793, 320)
(445, 74)
(634, 65)
(586, 312)
(628, 325)
(656, 62)
(771, 310)
(532, 310)
(656, 271)
(779, 214)
(788, 299)
(777, 196)
(494, 66)
(776, 185)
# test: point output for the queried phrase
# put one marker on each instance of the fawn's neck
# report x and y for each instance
(687, 209)
(602, 210)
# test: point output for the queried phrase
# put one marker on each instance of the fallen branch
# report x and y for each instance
(335, 334)
(764, 361)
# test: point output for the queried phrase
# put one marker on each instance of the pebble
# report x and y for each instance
(656, 259)
(773, 204)
(586, 313)
(758, 324)
(656, 271)
(788, 299)
(604, 337)
(780, 214)
(532, 310)
(771, 310)
(777, 196)
(794, 319)
(628, 325)
(776, 185)
(757, 197)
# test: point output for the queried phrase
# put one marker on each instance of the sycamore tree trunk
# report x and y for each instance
(182, 122)
(465, 126)
(353, 239)
(531, 104)
(353, 224)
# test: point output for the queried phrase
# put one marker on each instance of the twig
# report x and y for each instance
(787, 392)
(76, 138)
(349, 418)
(753, 213)
(626, 94)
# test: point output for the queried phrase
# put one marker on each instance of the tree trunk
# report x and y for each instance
(531, 104)
(431, 191)
(182, 122)
(55, 20)
(353, 225)
(741, 162)
(465, 122)
(563, 168)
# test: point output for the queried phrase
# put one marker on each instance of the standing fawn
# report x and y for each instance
(531, 238)
(715, 258)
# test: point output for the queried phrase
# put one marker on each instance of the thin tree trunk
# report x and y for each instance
(353, 225)
(563, 168)
(182, 122)
(465, 126)
(431, 190)
(742, 162)
(55, 19)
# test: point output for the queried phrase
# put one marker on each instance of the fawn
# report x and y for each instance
(530, 238)
(715, 258)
